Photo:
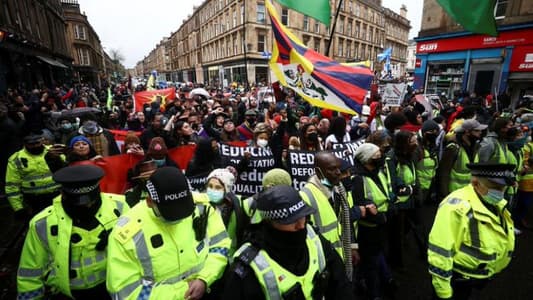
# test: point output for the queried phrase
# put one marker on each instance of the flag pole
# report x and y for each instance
(333, 27)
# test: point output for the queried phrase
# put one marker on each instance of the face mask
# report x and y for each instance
(35, 150)
(431, 138)
(324, 180)
(66, 126)
(493, 197)
(215, 196)
(396, 131)
(379, 163)
(364, 119)
(251, 122)
(160, 162)
(518, 144)
(313, 136)
(262, 143)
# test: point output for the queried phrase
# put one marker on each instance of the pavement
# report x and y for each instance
(514, 283)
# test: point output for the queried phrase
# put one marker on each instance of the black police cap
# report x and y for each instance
(80, 179)
(283, 205)
(498, 173)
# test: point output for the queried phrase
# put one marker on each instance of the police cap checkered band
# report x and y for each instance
(499, 173)
(282, 213)
(282, 204)
(81, 189)
(151, 191)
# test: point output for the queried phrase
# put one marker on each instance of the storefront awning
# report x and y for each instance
(52, 62)
(521, 76)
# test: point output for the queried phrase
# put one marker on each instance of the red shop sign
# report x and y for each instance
(522, 60)
(506, 38)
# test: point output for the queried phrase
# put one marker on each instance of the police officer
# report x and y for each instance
(287, 258)
(167, 247)
(29, 183)
(472, 237)
(65, 249)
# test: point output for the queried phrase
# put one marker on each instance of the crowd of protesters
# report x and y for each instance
(419, 147)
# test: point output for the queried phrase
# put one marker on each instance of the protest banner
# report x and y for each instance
(249, 182)
(301, 164)
(393, 94)
(346, 150)
(120, 136)
(198, 181)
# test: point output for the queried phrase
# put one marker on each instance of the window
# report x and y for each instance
(234, 18)
(261, 13)
(356, 30)
(500, 8)
(357, 10)
(341, 25)
(285, 16)
(83, 56)
(356, 51)
(316, 45)
(79, 32)
(242, 14)
(340, 48)
(349, 28)
(350, 6)
(260, 42)
(370, 35)
(317, 27)
(306, 23)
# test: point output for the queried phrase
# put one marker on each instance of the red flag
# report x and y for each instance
(151, 96)
(120, 136)
(182, 155)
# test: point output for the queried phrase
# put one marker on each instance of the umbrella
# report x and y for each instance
(80, 111)
(199, 91)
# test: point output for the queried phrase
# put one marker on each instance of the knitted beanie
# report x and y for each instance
(276, 177)
(224, 176)
(365, 152)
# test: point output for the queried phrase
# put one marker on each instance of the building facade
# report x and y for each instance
(225, 41)
(450, 59)
(396, 37)
(411, 58)
(33, 45)
(85, 45)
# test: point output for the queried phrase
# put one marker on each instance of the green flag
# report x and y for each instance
(474, 15)
(109, 98)
(316, 9)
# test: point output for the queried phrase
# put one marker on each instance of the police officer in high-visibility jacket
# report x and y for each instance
(286, 258)
(472, 237)
(167, 247)
(29, 183)
(65, 249)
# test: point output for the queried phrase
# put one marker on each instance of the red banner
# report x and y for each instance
(522, 60)
(151, 96)
(477, 41)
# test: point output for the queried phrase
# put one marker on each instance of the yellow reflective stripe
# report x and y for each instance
(441, 251)
(143, 254)
(314, 204)
(126, 291)
(332, 226)
(268, 278)
(476, 253)
(184, 275)
(34, 189)
(25, 272)
(41, 230)
(320, 251)
(218, 238)
(37, 293)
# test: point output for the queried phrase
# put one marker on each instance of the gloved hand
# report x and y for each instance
(404, 190)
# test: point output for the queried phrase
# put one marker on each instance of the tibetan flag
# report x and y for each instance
(316, 9)
(474, 15)
(160, 96)
(320, 80)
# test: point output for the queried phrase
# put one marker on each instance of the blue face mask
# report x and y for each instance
(324, 180)
(215, 196)
(493, 197)
(160, 162)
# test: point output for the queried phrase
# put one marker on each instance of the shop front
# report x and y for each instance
(521, 73)
(472, 63)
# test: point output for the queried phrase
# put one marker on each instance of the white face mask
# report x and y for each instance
(262, 143)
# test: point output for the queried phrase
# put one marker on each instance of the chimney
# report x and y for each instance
(403, 11)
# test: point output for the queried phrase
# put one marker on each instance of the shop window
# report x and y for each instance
(500, 8)
(445, 78)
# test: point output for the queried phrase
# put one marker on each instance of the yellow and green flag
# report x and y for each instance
(474, 15)
(316, 9)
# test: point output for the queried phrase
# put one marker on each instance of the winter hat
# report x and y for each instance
(430, 125)
(366, 152)
(91, 127)
(158, 148)
(77, 139)
(224, 176)
(276, 177)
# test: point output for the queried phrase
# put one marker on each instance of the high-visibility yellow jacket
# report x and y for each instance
(469, 239)
(44, 262)
(276, 280)
(324, 218)
(27, 174)
(150, 259)
(426, 169)
(460, 174)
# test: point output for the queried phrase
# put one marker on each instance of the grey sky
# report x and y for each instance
(134, 27)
